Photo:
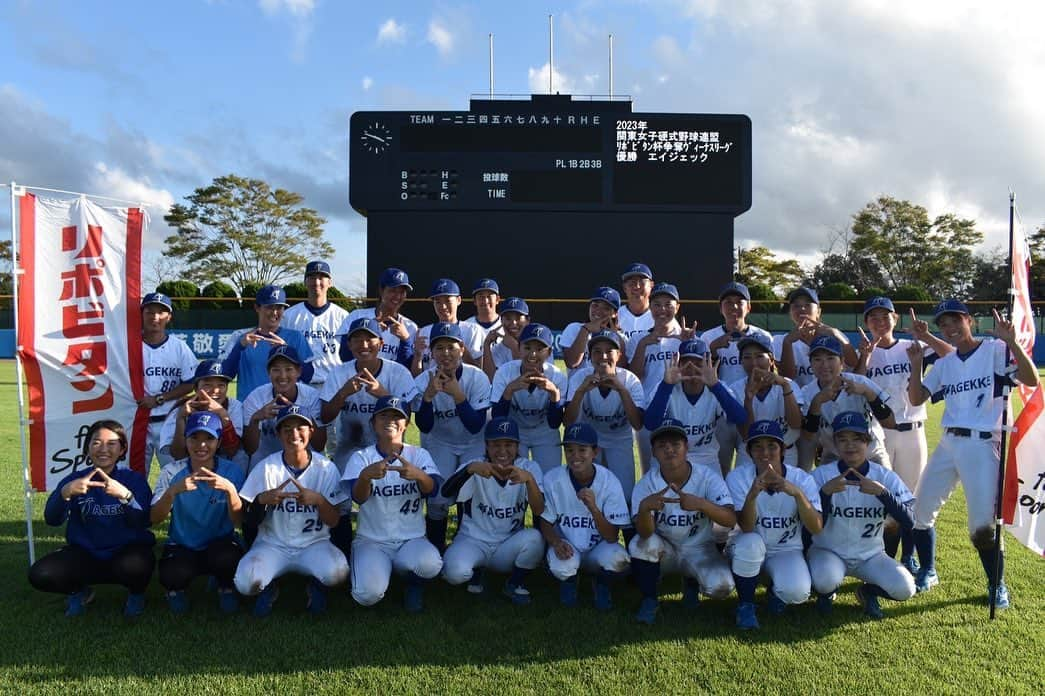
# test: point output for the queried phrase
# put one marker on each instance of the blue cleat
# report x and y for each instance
(775, 605)
(691, 596)
(746, 619)
(263, 604)
(228, 601)
(76, 603)
(825, 603)
(178, 601)
(519, 595)
(869, 602)
(648, 611)
(926, 580)
(317, 597)
(135, 605)
(414, 599)
(911, 564)
(1001, 596)
(568, 592)
(603, 600)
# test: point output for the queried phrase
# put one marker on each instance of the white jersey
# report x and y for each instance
(448, 428)
(655, 359)
(971, 385)
(729, 367)
(395, 510)
(471, 334)
(677, 526)
(776, 513)
(501, 354)
(800, 349)
(269, 442)
(564, 509)
(529, 407)
(167, 366)
(841, 404)
(484, 331)
(890, 369)
(700, 418)
(853, 529)
(320, 328)
(235, 410)
(605, 412)
(772, 406)
(492, 510)
(631, 324)
(291, 524)
(354, 429)
(390, 349)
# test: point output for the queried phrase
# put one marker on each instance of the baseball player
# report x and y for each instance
(584, 509)
(397, 330)
(834, 392)
(446, 298)
(169, 365)
(674, 507)
(774, 503)
(451, 406)
(682, 396)
(531, 392)
(493, 494)
(390, 481)
(611, 400)
(634, 316)
(201, 496)
(970, 382)
(602, 316)
(293, 496)
(858, 496)
(485, 296)
(246, 354)
(502, 345)
(883, 360)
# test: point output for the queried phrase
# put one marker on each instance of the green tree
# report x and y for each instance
(760, 266)
(175, 289)
(855, 270)
(218, 289)
(244, 230)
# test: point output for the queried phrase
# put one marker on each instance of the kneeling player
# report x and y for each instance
(493, 494)
(675, 505)
(390, 481)
(774, 502)
(584, 511)
(293, 496)
(856, 496)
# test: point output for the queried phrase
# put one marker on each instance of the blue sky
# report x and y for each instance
(939, 102)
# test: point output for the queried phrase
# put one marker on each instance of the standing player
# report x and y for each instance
(485, 296)
(970, 382)
(318, 319)
(390, 481)
(584, 509)
(493, 494)
(293, 496)
(857, 496)
(602, 316)
(169, 366)
(635, 317)
(770, 524)
(675, 505)
(502, 345)
(397, 330)
(446, 298)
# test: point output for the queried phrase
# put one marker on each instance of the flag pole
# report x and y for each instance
(23, 422)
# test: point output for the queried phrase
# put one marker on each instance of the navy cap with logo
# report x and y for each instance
(878, 303)
(693, 348)
(851, 421)
(394, 278)
(502, 428)
(809, 293)
(392, 403)
(203, 421)
(828, 343)
(756, 339)
(607, 336)
(637, 269)
(285, 352)
(271, 295)
(665, 289)
(765, 428)
(536, 332)
(368, 324)
(580, 434)
(734, 289)
(444, 286)
(157, 298)
(669, 425)
(608, 295)
(293, 411)
(317, 268)
(486, 284)
(951, 306)
(210, 368)
(513, 304)
(444, 329)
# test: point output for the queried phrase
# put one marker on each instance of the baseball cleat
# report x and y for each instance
(926, 580)
(414, 600)
(775, 605)
(869, 602)
(76, 603)
(691, 596)
(603, 600)
(263, 604)
(568, 592)
(228, 601)
(648, 611)
(911, 564)
(1001, 596)
(317, 597)
(178, 601)
(134, 606)
(746, 619)
(475, 583)
(825, 603)
(519, 595)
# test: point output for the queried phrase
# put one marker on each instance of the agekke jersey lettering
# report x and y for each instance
(564, 509)
(395, 510)
(776, 512)
(678, 526)
(492, 510)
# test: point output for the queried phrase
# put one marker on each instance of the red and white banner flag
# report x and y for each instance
(1023, 500)
(79, 328)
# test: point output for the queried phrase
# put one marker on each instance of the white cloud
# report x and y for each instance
(297, 8)
(440, 37)
(538, 81)
(368, 82)
(391, 31)
(300, 24)
(106, 180)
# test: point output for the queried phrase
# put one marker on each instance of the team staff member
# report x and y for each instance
(106, 513)
(634, 316)
(390, 481)
(397, 330)
(446, 298)
(970, 382)
(502, 345)
(485, 296)
(201, 496)
(318, 319)
(675, 505)
(857, 496)
(211, 396)
(602, 316)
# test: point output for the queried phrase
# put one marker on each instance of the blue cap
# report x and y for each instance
(157, 298)
(665, 289)
(851, 421)
(669, 425)
(444, 329)
(580, 434)
(286, 352)
(444, 286)
(394, 278)
(392, 403)
(606, 335)
(513, 304)
(204, 421)
(800, 292)
(271, 295)
(368, 324)
(317, 268)
(536, 332)
(950, 307)
(607, 295)
(734, 289)
(637, 269)
(486, 284)
(293, 411)
(694, 347)
(755, 339)
(210, 368)
(765, 428)
(828, 343)
(502, 428)
(878, 303)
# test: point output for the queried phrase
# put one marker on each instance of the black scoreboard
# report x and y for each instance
(551, 196)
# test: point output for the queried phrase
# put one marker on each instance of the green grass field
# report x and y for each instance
(941, 642)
